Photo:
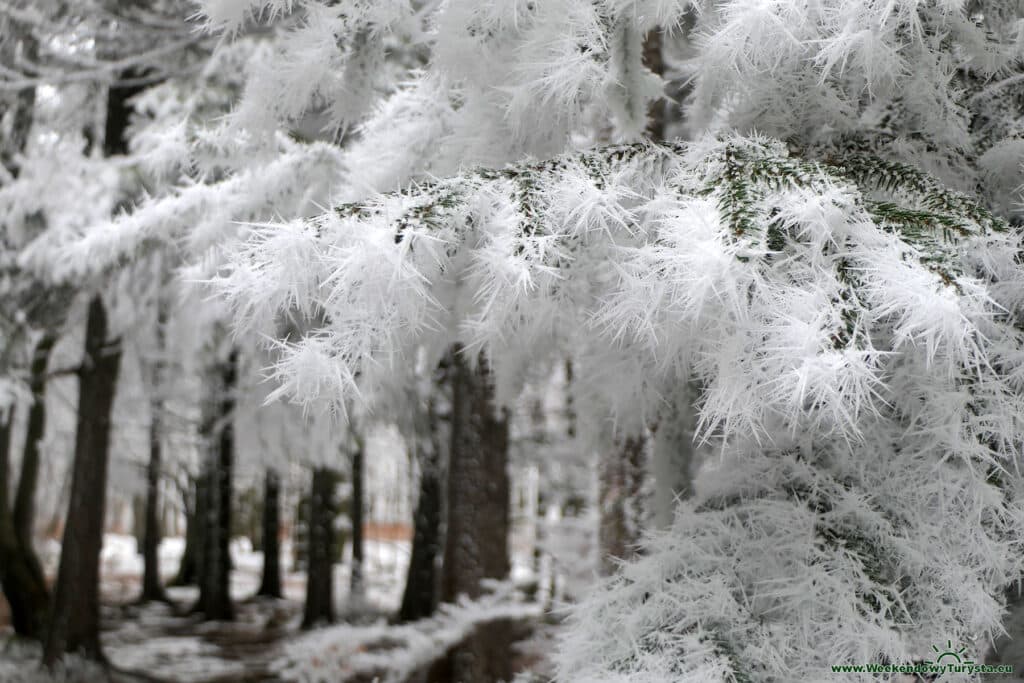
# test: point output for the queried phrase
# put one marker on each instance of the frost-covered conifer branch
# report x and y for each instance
(196, 216)
(843, 317)
(500, 254)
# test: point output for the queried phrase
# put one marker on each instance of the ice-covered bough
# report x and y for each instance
(854, 329)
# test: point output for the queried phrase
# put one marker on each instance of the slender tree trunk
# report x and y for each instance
(319, 551)
(621, 475)
(356, 513)
(152, 588)
(654, 60)
(421, 587)
(28, 595)
(22, 581)
(476, 544)
(24, 503)
(75, 623)
(215, 584)
(6, 430)
(188, 569)
(270, 586)
(674, 454)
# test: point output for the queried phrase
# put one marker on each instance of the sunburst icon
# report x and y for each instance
(950, 652)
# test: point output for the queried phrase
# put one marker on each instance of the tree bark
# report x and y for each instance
(421, 587)
(356, 514)
(6, 429)
(24, 502)
(75, 624)
(621, 506)
(215, 584)
(476, 544)
(319, 551)
(152, 587)
(654, 60)
(674, 454)
(23, 580)
(270, 585)
(188, 569)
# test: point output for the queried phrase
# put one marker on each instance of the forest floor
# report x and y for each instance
(161, 643)
(164, 643)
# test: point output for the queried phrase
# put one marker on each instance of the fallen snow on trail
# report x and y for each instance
(390, 653)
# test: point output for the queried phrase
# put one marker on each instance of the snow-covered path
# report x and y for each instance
(169, 645)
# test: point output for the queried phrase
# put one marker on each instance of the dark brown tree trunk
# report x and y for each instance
(188, 568)
(22, 581)
(421, 587)
(621, 477)
(215, 584)
(75, 622)
(270, 585)
(31, 605)
(25, 502)
(320, 550)
(152, 587)
(6, 429)
(654, 60)
(476, 544)
(356, 513)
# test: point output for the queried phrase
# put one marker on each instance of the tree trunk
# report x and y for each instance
(152, 588)
(421, 587)
(654, 60)
(24, 503)
(674, 455)
(621, 506)
(75, 624)
(215, 583)
(188, 569)
(356, 513)
(23, 580)
(476, 544)
(319, 551)
(270, 585)
(6, 430)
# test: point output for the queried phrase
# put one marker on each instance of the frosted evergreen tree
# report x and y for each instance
(830, 264)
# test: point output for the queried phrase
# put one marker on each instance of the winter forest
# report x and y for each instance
(467, 341)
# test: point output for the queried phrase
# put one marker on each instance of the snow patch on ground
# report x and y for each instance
(389, 653)
(181, 658)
